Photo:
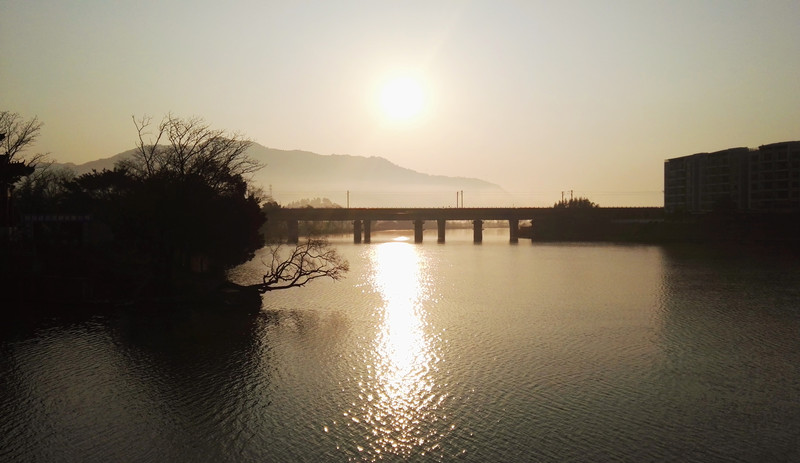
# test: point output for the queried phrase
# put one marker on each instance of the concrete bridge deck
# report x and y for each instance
(363, 217)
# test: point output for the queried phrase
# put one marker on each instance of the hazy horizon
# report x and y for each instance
(536, 97)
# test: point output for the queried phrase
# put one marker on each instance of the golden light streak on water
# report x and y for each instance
(399, 405)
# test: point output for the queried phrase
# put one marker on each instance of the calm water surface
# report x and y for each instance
(492, 352)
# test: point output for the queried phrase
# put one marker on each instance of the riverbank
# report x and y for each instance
(731, 229)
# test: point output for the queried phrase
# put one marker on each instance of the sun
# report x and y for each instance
(402, 98)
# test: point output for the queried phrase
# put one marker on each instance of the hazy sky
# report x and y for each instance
(539, 97)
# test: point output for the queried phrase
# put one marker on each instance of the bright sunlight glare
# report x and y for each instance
(404, 397)
(402, 98)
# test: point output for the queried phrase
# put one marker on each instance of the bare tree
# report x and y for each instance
(19, 134)
(184, 147)
(179, 150)
(307, 261)
(16, 135)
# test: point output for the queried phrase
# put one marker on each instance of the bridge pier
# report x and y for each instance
(367, 230)
(513, 230)
(440, 226)
(477, 231)
(418, 230)
(356, 231)
(293, 228)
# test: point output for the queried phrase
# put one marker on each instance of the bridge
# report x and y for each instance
(362, 218)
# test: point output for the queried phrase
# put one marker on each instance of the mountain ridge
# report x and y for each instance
(290, 175)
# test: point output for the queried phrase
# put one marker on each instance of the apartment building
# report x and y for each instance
(742, 179)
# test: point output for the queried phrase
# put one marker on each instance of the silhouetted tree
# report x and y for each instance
(177, 208)
(191, 148)
(184, 207)
(306, 262)
(16, 136)
(43, 190)
(173, 218)
(575, 203)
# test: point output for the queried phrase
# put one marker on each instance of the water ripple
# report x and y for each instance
(426, 352)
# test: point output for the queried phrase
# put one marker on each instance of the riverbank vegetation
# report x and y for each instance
(165, 224)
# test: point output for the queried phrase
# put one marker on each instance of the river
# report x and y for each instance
(437, 352)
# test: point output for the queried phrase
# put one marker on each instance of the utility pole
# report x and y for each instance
(348, 199)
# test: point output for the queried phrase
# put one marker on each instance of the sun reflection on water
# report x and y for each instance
(399, 402)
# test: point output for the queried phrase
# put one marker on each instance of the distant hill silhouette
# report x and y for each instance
(371, 181)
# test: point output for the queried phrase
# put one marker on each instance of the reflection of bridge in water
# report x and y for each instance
(362, 218)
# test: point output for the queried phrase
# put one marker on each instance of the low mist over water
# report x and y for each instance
(441, 352)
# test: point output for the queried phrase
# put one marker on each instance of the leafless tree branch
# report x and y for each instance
(192, 148)
(306, 262)
(19, 135)
(146, 159)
